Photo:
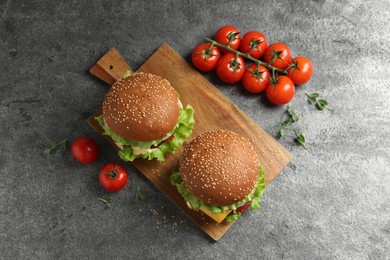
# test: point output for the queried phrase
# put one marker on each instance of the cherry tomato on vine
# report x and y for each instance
(228, 35)
(85, 150)
(278, 55)
(230, 68)
(204, 57)
(256, 78)
(280, 92)
(254, 43)
(301, 70)
(113, 177)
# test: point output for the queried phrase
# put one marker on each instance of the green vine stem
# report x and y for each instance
(245, 55)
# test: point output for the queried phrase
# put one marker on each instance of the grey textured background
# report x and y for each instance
(331, 202)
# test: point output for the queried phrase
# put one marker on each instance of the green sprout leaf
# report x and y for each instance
(282, 132)
(300, 139)
(143, 196)
(106, 201)
(52, 148)
(134, 199)
(321, 104)
(292, 117)
(292, 113)
(139, 196)
(47, 151)
(312, 97)
(286, 125)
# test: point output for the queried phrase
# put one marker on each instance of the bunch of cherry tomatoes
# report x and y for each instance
(273, 69)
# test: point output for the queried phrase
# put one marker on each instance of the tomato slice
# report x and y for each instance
(164, 141)
(243, 207)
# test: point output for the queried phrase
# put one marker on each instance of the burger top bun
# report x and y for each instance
(142, 107)
(219, 167)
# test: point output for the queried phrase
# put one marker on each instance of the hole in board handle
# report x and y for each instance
(111, 67)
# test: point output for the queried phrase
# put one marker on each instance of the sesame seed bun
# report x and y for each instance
(219, 167)
(142, 107)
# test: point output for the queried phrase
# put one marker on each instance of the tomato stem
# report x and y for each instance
(293, 66)
(273, 77)
(257, 66)
(232, 36)
(113, 173)
(245, 55)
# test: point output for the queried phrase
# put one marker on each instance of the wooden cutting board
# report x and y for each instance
(213, 111)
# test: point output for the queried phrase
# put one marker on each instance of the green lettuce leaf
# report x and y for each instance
(127, 74)
(195, 203)
(181, 132)
(233, 216)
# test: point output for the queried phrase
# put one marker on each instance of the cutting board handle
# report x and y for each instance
(111, 67)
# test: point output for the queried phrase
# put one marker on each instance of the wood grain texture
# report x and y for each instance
(110, 67)
(212, 111)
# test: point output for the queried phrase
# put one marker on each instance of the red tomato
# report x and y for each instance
(228, 35)
(230, 68)
(243, 207)
(253, 43)
(280, 92)
(85, 150)
(278, 55)
(301, 70)
(113, 177)
(255, 78)
(205, 58)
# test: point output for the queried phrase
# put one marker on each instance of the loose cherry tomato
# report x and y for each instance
(85, 150)
(243, 207)
(204, 57)
(278, 55)
(230, 68)
(113, 177)
(254, 43)
(301, 70)
(228, 35)
(281, 92)
(256, 78)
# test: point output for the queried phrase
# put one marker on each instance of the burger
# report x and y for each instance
(143, 115)
(220, 175)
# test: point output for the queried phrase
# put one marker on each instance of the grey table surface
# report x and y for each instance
(331, 202)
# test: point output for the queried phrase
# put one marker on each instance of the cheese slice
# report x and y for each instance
(218, 217)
